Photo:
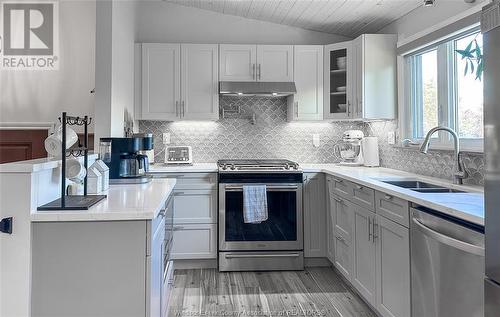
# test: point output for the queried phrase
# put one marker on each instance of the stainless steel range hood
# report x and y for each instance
(254, 88)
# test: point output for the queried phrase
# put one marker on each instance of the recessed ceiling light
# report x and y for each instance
(428, 3)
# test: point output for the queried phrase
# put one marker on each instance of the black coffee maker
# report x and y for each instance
(122, 156)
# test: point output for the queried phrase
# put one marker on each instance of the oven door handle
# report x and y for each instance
(269, 187)
(279, 255)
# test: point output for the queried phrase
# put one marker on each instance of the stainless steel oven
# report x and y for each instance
(274, 244)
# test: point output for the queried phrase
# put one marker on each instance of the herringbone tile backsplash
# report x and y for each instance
(235, 137)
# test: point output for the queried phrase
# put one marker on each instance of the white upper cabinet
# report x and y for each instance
(161, 81)
(375, 76)
(199, 89)
(338, 81)
(179, 82)
(274, 63)
(360, 78)
(308, 78)
(238, 62)
(256, 62)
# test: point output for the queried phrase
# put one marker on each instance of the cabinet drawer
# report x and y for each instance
(191, 180)
(340, 187)
(363, 196)
(194, 241)
(195, 206)
(343, 217)
(392, 208)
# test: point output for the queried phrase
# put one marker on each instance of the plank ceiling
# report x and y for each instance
(345, 17)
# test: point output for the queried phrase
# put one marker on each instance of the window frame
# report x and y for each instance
(447, 115)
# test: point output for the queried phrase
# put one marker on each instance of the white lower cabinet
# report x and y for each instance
(314, 215)
(194, 241)
(195, 206)
(330, 234)
(195, 215)
(371, 252)
(155, 269)
(343, 219)
(364, 270)
(393, 268)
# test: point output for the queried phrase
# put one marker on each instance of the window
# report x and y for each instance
(441, 90)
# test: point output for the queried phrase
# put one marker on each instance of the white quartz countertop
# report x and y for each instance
(467, 206)
(124, 202)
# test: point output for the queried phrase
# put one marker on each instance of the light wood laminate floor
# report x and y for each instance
(313, 292)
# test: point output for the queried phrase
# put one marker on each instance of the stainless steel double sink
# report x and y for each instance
(422, 187)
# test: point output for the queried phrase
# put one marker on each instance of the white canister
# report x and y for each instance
(369, 146)
(94, 181)
(104, 169)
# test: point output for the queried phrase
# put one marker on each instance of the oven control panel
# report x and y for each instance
(178, 155)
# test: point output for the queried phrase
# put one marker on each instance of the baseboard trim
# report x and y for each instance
(195, 264)
(317, 262)
(212, 263)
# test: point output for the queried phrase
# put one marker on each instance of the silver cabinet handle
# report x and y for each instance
(340, 201)
(388, 197)
(254, 73)
(179, 193)
(369, 229)
(260, 73)
(280, 255)
(338, 180)
(452, 242)
(374, 230)
(296, 109)
(161, 213)
(176, 108)
(183, 108)
(359, 187)
(177, 228)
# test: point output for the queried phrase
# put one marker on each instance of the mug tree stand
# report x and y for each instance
(73, 202)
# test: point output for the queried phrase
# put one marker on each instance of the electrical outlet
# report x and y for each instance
(391, 137)
(316, 140)
(166, 138)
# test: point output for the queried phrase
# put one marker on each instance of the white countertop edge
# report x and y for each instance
(36, 165)
(159, 168)
(433, 201)
(115, 212)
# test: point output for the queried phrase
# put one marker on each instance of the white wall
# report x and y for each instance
(425, 17)
(158, 21)
(40, 96)
(114, 67)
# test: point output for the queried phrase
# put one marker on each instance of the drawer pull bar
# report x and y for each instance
(359, 187)
(281, 187)
(388, 197)
(280, 255)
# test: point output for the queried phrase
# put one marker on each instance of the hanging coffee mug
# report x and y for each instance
(53, 143)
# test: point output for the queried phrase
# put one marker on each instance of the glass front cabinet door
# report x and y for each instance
(338, 81)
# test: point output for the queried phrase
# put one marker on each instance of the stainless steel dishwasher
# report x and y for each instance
(447, 265)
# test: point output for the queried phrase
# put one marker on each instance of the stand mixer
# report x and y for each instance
(349, 150)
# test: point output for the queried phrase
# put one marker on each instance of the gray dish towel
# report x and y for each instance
(254, 203)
